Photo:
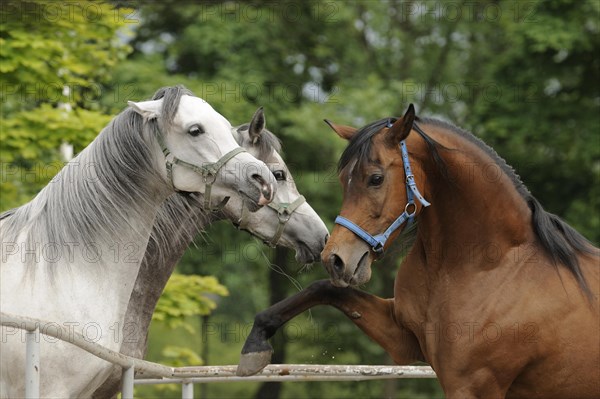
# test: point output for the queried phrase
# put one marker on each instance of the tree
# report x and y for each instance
(54, 58)
(546, 120)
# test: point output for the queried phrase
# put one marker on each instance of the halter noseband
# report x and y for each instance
(207, 171)
(284, 213)
(378, 241)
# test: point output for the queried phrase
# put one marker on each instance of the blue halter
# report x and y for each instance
(377, 242)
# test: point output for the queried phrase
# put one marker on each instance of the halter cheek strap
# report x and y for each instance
(207, 171)
(284, 213)
(377, 242)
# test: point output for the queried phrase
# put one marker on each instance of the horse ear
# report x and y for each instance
(402, 127)
(345, 132)
(148, 109)
(257, 125)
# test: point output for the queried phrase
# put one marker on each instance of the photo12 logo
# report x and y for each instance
(70, 331)
(68, 11)
(52, 253)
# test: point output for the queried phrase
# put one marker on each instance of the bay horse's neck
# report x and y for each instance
(477, 212)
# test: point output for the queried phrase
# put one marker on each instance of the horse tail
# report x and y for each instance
(562, 242)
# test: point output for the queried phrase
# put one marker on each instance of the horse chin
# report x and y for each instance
(362, 276)
(339, 283)
(306, 255)
(362, 273)
(308, 252)
(252, 200)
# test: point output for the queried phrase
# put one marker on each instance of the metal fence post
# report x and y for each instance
(187, 390)
(127, 379)
(32, 364)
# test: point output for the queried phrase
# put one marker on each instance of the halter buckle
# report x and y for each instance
(209, 178)
(414, 210)
(378, 248)
(283, 216)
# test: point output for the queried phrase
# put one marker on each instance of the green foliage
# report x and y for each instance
(180, 356)
(60, 44)
(54, 57)
(187, 295)
(546, 125)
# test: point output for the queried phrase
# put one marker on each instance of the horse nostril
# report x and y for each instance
(337, 263)
(265, 188)
(326, 238)
(258, 177)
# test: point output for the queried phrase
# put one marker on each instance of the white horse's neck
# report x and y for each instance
(71, 255)
(83, 237)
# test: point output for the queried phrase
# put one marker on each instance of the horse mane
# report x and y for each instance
(559, 241)
(359, 146)
(7, 213)
(85, 201)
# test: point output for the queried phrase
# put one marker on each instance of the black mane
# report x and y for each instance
(359, 147)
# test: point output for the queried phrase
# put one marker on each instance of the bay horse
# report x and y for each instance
(499, 296)
(288, 221)
(71, 255)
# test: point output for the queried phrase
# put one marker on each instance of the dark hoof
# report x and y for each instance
(253, 362)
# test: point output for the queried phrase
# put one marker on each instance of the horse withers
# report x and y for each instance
(499, 296)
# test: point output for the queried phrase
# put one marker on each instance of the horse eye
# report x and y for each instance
(375, 180)
(279, 175)
(195, 130)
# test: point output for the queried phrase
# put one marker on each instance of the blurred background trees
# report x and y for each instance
(522, 75)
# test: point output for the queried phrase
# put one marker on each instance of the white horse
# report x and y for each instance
(304, 231)
(72, 254)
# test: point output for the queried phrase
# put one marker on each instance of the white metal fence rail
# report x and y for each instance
(153, 373)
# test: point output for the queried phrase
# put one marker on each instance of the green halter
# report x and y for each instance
(207, 171)
(284, 213)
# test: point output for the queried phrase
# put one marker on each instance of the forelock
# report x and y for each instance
(171, 97)
(360, 145)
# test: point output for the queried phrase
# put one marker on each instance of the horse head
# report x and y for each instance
(380, 196)
(289, 220)
(196, 143)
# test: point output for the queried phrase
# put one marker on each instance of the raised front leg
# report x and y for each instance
(373, 315)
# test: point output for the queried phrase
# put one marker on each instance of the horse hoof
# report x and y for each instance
(253, 362)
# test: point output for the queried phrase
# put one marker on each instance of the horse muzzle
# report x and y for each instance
(259, 191)
(267, 190)
(348, 268)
